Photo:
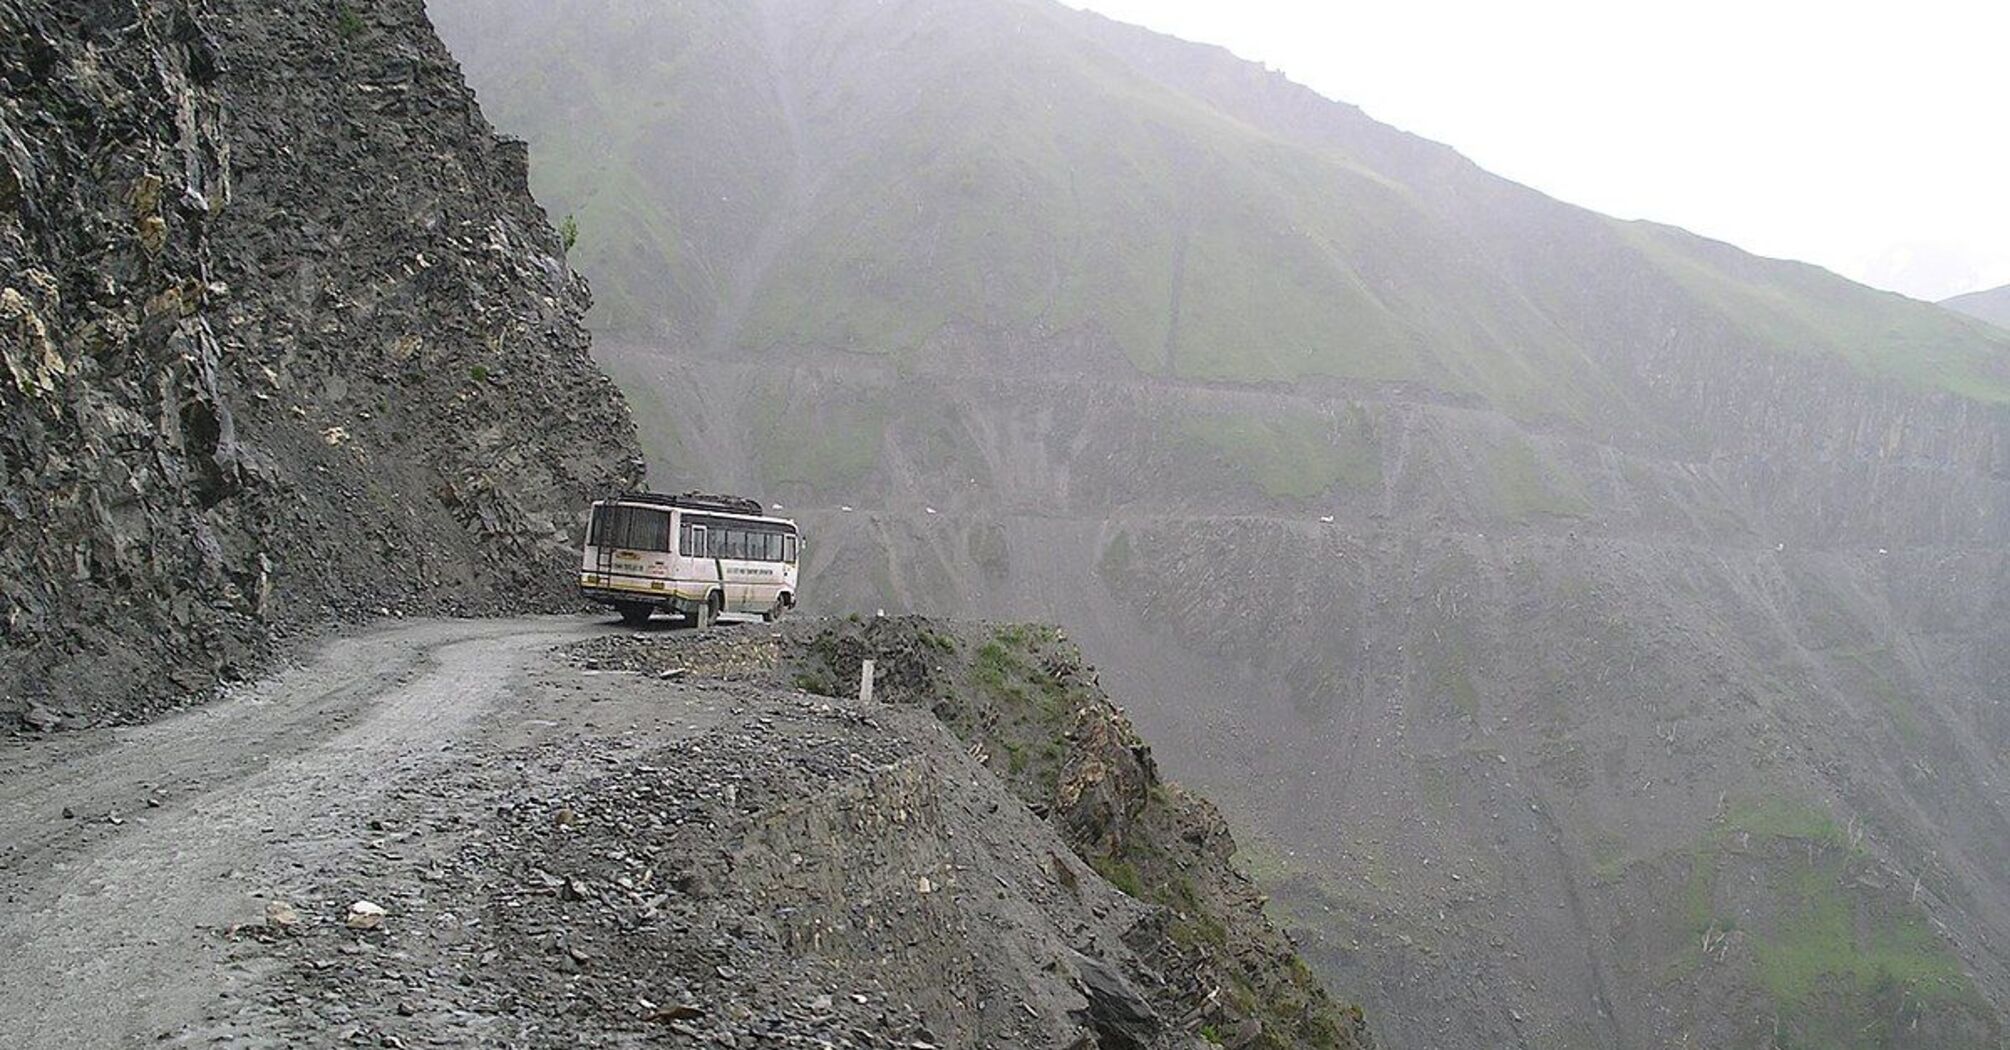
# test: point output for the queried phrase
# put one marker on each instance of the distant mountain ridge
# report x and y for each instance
(1595, 633)
(1213, 221)
(1991, 305)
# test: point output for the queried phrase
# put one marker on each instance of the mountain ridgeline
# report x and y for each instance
(1599, 636)
(1992, 305)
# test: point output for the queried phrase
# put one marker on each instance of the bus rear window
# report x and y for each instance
(631, 528)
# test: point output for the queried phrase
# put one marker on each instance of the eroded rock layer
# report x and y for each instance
(285, 337)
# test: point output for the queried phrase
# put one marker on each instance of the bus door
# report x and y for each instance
(702, 566)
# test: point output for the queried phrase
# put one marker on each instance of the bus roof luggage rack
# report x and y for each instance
(698, 501)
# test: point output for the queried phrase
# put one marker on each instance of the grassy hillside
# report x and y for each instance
(1992, 306)
(866, 176)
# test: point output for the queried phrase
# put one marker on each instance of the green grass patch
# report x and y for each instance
(1115, 563)
(348, 22)
(829, 445)
(1287, 456)
(1839, 963)
(1801, 309)
(1774, 817)
(1758, 821)
(1434, 788)
(1607, 851)
(1457, 684)
(1840, 972)
(816, 682)
(657, 428)
(1525, 489)
(1881, 678)
(881, 576)
(1122, 874)
(999, 671)
(1263, 860)
(989, 550)
(1823, 937)
(1699, 893)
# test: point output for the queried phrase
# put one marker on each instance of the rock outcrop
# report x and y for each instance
(1024, 702)
(285, 339)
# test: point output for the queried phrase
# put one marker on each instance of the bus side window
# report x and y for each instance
(789, 549)
(699, 543)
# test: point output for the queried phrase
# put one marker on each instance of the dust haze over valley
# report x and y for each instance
(1222, 516)
(1597, 635)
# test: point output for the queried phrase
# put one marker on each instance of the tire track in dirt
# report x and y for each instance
(112, 923)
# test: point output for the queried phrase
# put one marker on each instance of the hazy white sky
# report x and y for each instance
(1873, 139)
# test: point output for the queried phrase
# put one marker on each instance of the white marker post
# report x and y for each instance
(865, 682)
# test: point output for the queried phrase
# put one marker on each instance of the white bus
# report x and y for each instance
(697, 555)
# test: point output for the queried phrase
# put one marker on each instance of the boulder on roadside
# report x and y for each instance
(364, 915)
(282, 916)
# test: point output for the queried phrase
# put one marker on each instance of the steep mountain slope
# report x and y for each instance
(1646, 687)
(889, 169)
(1992, 305)
(285, 335)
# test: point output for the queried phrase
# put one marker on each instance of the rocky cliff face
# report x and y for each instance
(1024, 702)
(1526, 688)
(285, 338)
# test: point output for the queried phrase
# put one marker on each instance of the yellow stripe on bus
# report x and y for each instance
(656, 589)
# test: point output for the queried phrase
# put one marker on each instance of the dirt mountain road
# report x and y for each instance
(126, 854)
(569, 834)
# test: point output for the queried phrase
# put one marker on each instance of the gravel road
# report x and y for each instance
(125, 854)
(560, 833)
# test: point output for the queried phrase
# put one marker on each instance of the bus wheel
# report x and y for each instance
(634, 614)
(703, 615)
(774, 615)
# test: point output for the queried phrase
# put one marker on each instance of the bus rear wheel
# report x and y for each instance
(634, 614)
(781, 608)
(703, 615)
